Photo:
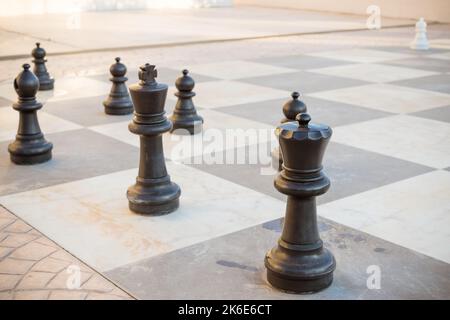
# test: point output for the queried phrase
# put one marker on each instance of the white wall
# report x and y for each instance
(431, 10)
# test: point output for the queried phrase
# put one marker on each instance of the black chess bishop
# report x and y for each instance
(30, 146)
(153, 193)
(46, 82)
(300, 263)
(185, 115)
(118, 101)
(291, 109)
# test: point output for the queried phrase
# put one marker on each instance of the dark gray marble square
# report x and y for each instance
(408, 50)
(440, 114)
(301, 62)
(165, 75)
(439, 83)
(234, 263)
(303, 82)
(350, 169)
(422, 63)
(323, 111)
(77, 154)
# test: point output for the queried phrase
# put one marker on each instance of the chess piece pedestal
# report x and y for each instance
(420, 41)
(153, 193)
(300, 263)
(185, 115)
(30, 146)
(46, 82)
(118, 101)
(291, 109)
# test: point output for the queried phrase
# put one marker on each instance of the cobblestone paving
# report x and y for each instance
(34, 267)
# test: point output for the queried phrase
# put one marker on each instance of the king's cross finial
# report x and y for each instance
(147, 74)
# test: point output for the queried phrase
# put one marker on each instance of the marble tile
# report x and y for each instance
(9, 122)
(439, 83)
(410, 138)
(413, 213)
(300, 62)
(90, 218)
(323, 111)
(360, 55)
(220, 131)
(232, 70)
(372, 72)
(5, 102)
(303, 81)
(77, 154)
(440, 114)
(387, 97)
(215, 94)
(235, 264)
(442, 56)
(65, 88)
(351, 170)
(423, 63)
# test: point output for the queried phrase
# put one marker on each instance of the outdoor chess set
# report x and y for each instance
(187, 228)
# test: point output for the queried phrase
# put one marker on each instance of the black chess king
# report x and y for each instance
(30, 146)
(153, 193)
(300, 263)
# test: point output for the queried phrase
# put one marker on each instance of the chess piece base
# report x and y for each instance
(297, 272)
(191, 124)
(157, 197)
(118, 107)
(26, 155)
(47, 84)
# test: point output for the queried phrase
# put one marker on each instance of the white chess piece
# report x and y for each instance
(420, 41)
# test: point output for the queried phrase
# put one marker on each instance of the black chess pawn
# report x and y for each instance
(153, 192)
(185, 116)
(46, 82)
(300, 263)
(118, 101)
(30, 146)
(291, 109)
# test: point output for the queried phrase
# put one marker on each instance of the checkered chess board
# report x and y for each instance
(388, 161)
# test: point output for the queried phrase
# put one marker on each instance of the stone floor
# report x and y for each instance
(388, 206)
(32, 267)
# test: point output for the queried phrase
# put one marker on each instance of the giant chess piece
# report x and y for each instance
(300, 263)
(30, 146)
(118, 101)
(420, 41)
(46, 82)
(185, 116)
(153, 192)
(291, 109)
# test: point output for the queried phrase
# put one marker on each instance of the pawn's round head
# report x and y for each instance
(38, 52)
(185, 82)
(294, 106)
(26, 83)
(118, 69)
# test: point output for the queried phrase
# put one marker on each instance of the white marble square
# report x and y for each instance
(9, 122)
(220, 132)
(237, 69)
(361, 55)
(372, 72)
(410, 138)
(386, 97)
(65, 88)
(215, 94)
(90, 218)
(414, 213)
